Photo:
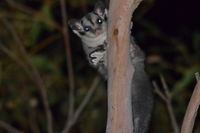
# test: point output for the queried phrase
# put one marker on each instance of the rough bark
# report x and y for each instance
(120, 69)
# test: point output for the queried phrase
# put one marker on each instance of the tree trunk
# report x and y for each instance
(120, 69)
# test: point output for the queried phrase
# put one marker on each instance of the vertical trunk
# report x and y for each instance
(120, 69)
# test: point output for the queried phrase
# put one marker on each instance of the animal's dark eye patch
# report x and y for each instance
(82, 33)
(81, 22)
(105, 18)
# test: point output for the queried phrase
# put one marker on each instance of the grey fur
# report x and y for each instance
(95, 45)
(142, 92)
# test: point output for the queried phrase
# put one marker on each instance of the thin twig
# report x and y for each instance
(9, 128)
(81, 107)
(165, 86)
(32, 121)
(14, 57)
(86, 98)
(33, 12)
(166, 97)
(16, 37)
(36, 76)
(192, 109)
(11, 55)
(169, 105)
(68, 57)
(158, 91)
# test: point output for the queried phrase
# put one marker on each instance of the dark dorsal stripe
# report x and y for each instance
(105, 18)
(96, 14)
(81, 22)
(88, 17)
(82, 33)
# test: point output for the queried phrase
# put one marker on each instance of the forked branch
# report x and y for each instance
(166, 97)
(31, 70)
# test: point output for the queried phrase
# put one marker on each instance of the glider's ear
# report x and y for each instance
(75, 24)
(99, 8)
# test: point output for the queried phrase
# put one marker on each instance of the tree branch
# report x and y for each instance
(191, 112)
(14, 58)
(81, 107)
(35, 75)
(68, 58)
(158, 91)
(120, 69)
(166, 97)
(33, 13)
(9, 128)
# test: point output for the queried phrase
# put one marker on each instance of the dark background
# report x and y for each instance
(167, 30)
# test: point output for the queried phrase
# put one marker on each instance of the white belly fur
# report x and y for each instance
(94, 42)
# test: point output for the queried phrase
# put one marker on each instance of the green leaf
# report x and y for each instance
(46, 12)
(34, 33)
(37, 27)
(42, 64)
